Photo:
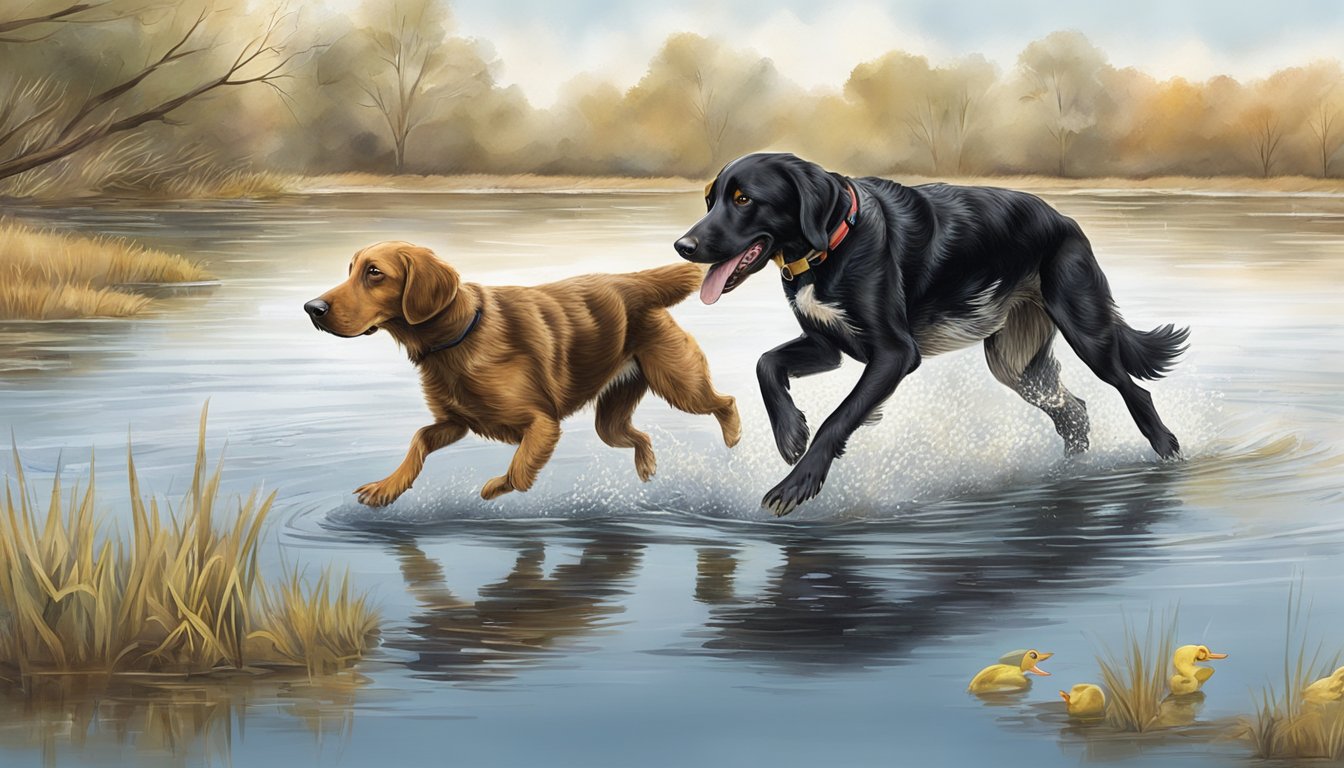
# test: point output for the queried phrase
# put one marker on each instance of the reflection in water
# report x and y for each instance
(168, 721)
(832, 604)
(522, 617)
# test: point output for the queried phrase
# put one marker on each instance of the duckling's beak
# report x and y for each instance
(1036, 670)
(1213, 655)
(1064, 696)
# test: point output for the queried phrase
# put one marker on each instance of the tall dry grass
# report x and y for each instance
(132, 166)
(51, 276)
(1284, 726)
(1135, 675)
(181, 595)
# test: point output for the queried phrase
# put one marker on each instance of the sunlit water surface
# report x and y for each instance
(600, 621)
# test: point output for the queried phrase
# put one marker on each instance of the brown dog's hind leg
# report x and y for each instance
(615, 406)
(533, 452)
(426, 441)
(677, 371)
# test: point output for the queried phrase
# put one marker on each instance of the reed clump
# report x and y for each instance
(50, 276)
(1135, 675)
(181, 595)
(1286, 726)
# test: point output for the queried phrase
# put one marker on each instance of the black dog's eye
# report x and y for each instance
(741, 199)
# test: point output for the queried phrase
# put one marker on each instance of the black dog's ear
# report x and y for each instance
(431, 285)
(818, 195)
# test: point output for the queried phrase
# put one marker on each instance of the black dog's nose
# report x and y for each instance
(686, 246)
(316, 308)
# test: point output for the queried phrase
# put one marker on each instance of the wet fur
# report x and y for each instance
(537, 355)
(928, 269)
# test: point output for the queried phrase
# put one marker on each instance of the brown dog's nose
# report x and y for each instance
(686, 246)
(316, 308)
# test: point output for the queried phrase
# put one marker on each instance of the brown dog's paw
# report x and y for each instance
(496, 487)
(731, 424)
(379, 494)
(645, 464)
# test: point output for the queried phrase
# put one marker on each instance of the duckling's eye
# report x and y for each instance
(1034, 656)
(740, 199)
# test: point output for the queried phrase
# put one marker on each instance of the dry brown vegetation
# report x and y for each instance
(181, 595)
(1135, 675)
(50, 276)
(1285, 726)
(216, 100)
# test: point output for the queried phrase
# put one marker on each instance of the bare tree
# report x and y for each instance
(1265, 130)
(1323, 123)
(413, 67)
(44, 121)
(926, 122)
(1062, 70)
(715, 111)
(45, 20)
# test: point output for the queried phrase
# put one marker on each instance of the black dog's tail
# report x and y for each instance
(1150, 354)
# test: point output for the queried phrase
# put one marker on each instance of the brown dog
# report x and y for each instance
(510, 362)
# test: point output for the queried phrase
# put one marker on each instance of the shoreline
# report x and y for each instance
(541, 184)
(279, 185)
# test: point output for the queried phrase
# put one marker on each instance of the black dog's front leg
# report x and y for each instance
(886, 367)
(803, 356)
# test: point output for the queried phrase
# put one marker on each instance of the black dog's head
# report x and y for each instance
(760, 205)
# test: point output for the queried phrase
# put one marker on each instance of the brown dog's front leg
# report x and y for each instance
(533, 452)
(426, 441)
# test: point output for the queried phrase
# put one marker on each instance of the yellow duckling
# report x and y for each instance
(1011, 675)
(1085, 700)
(1326, 690)
(1189, 676)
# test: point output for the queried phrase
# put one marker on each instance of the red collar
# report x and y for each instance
(792, 269)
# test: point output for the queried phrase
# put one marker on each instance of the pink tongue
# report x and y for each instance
(717, 277)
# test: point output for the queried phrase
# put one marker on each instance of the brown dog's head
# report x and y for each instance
(388, 282)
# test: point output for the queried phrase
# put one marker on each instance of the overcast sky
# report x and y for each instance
(544, 43)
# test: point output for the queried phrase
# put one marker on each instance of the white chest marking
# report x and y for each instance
(806, 303)
(627, 371)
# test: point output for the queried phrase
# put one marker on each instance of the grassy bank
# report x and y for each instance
(51, 276)
(181, 594)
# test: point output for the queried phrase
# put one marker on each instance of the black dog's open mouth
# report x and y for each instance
(727, 275)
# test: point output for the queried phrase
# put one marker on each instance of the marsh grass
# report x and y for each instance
(1135, 675)
(132, 167)
(50, 276)
(1284, 725)
(182, 595)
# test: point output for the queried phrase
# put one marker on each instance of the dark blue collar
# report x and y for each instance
(460, 337)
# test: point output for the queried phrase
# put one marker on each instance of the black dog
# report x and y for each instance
(888, 274)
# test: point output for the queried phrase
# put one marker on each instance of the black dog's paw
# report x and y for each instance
(1167, 446)
(791, 435)
(803, 483)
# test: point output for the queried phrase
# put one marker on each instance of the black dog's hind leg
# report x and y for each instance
(1020, 356)
(886, 367)
(804, 356)
(1078, 299)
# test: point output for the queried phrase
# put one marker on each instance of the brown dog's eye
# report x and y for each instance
(373, 271)
(741, 199)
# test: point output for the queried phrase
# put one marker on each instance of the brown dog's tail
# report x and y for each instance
(662, 286)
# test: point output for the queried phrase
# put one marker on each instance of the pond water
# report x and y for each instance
(600, 621)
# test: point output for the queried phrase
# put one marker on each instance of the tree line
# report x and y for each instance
(392, 88)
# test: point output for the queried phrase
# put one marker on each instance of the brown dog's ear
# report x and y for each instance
(430, 286)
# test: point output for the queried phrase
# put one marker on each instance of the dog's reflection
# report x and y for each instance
(839, 600)
(525, 616)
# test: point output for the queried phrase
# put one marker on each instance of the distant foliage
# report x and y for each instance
(394, 88)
